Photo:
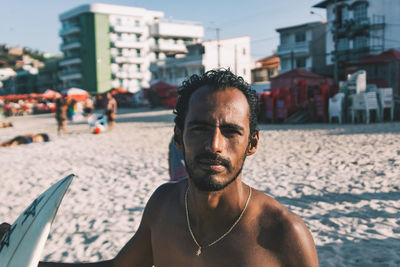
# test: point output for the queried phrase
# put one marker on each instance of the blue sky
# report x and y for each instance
(35, 23)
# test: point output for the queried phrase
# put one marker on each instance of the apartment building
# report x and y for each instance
(109, 46)
(303, 46)
(233, 53)
(357, 28)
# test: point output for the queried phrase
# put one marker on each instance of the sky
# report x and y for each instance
(35, 24)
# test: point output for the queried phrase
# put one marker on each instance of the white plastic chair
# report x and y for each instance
(364, 102)
(336, 107)
(386, 101)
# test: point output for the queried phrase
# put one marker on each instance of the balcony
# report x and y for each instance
(353, 55)
(296, 48)
(70, 61)
(69, 29)
(70, 45)
(169, 46)
(176, 62)
(128, 59)
(127, 44)
(69, 74)
(129, 75)
(127, 29)
(177, 29)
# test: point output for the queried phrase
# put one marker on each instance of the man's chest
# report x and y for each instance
(173, 245)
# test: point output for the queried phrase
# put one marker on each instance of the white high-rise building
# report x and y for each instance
(233, 53)
(108, 46)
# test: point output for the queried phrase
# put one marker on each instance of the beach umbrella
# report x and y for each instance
(76, 93)
(50, 94)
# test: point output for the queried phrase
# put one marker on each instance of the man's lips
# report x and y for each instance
(214, 165)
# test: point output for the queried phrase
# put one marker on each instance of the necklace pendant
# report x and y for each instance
(198, 252)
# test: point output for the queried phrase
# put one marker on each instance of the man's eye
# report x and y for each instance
(198, 129)
(231, 132)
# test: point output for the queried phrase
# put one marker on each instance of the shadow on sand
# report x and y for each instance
(360, 253)
(338, 129)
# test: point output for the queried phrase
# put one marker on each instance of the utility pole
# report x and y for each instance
(335, 43)
(218, 47)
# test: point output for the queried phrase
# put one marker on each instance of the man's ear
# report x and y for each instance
(178, 138)
(253, 143)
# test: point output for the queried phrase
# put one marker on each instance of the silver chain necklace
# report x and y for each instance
(198, 252)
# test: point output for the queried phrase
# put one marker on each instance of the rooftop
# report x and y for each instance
(305, 25)
(109, 9)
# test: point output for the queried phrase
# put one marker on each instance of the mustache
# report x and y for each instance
(214, 158)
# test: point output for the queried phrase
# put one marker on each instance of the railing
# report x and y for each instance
(294, 47)
(70, 28)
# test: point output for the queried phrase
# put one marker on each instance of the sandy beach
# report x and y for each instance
(343, 180)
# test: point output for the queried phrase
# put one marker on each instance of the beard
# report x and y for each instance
(206, 182)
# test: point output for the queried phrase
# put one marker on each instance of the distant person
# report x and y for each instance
(5, 124)
(71, 108)
(88, 106)
(110, 110)
(176, 163)
(26, 139)
(61, 115)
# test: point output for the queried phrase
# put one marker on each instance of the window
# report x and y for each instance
(157, 54)
(138, 52)
(139, 82)
(300, 37)
(360, 42)
(175, 40)
(301, 62)
(137, 37)
(360, 13)
(118, 21)
(137, 23)
(342, 15)
(156, 40)
(138, 67)
(343, 44)
(284, 39)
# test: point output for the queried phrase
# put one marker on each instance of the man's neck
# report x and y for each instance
(213, 212)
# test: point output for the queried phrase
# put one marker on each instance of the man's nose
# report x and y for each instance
(215, 141)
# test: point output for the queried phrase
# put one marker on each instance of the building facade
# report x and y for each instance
(233, 53)
(265, 69)
(303, 46)
(48, 76)
(358, 28)
(109, 46)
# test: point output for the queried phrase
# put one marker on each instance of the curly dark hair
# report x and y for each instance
(217, 79)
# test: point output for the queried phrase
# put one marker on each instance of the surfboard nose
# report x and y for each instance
(24, 242)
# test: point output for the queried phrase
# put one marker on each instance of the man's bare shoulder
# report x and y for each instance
(165, 196)
(284, 232)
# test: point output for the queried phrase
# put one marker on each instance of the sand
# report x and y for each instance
(343, 180)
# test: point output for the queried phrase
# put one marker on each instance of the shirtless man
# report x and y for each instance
(213, 218)
(111, 110)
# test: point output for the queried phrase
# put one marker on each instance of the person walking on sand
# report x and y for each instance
(61, 115)
(110, 110)
(213, 218)
(88, 106)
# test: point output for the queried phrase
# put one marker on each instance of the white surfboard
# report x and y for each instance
(22, 245)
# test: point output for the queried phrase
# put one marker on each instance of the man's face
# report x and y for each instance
(216, 137)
